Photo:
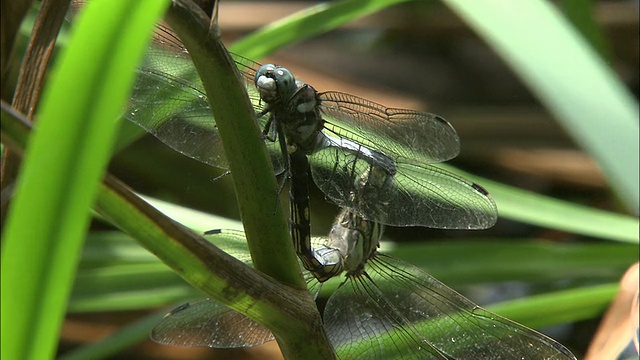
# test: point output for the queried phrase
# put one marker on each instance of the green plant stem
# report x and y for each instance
(281, 308)
(254, 180)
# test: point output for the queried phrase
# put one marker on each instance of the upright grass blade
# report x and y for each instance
(63, 166)
(569, 77)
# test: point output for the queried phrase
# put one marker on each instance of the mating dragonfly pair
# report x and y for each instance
(375, 163)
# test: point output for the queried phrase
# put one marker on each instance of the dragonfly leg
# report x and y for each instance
(228, 172)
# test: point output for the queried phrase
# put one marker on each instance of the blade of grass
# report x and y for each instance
(573, 82)
(548, 212)
(125, 337)
(581, 13)
(305, 24)
(113, 267)
(529, 260)
(531, 208)
(559, 307)
(50, 212)
(195, 220)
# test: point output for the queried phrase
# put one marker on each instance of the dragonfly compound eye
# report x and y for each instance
(275, 83)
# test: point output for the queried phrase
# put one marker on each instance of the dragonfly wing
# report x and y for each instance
(439, 197)
(453, 324)
(404, 135)
(208, 323)
(169, 102)
(165, 38)
(362, 324)
(247, 68)
(417, 195)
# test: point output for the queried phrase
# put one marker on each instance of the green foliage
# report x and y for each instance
(50, 212)
(569, 78)
(44, 235)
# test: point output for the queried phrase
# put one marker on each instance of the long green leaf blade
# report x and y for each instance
(50, 212)
(305, 24)
(571, 80)
(531, 208)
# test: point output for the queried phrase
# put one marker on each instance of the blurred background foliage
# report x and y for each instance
(424, 55)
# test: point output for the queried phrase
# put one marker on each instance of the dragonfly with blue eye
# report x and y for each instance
(342, 137)
(340, 134)
(333, 136)
(385, 308)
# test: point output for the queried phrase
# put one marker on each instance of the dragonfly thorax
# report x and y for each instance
(300, 118)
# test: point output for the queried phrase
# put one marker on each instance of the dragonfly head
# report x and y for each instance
(275, 83)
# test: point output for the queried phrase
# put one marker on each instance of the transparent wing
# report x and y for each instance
(411, 303)
(403, 135)
(421, 195)
(361, 323)
(208, 323)
(169, 102)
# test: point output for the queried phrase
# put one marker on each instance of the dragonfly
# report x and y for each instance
(331, 131)
(389, 309)
(385, 308)
(341, 135)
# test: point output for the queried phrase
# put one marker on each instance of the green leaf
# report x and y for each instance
(569, 78)
(113, 265)
(302, 25)
(581, 13)
(586, 262)
(50, 212)
(559, 307)
(531, 208)
(125, 337)
(253, 176)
